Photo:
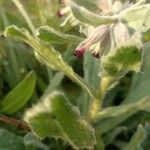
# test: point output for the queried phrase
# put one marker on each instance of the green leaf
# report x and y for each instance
(121, 61)
(31, 140)
(91, 70)
(55, 116)
(55, 81)
(50, 35)
(49, 56)
(110, 117)
(19, 96)
(10, 141)
(88, 4)
(85, 16)
(141, 82)
(146, 36)
(136, 140)
(110, 136)
(137, 18)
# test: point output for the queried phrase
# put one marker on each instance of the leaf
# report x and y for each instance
(85, 16)
(49, 56)
(141, 82)
(91, 70)
(146, 36)
(121, 61)
(110, 136)
(110, 117)
(136, 140)
(55, 81)
(88, 4)
(50, 35)
(31, 140)
(55, 116)
(137, 18)
(10, 141)
(19, 96)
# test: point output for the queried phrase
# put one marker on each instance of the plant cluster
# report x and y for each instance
(69, 45)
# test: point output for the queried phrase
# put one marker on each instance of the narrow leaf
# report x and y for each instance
(55, 116)
(50, 35)
(85, 16)
(91, 70)
(110, 117)
(136, 140)
(10, 141)
(49, 56)
(88, 4)
(19, 96)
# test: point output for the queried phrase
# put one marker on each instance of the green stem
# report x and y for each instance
(97, 103)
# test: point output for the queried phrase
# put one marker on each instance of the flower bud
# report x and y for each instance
(96, 36)
(79, 52)
(63, 11)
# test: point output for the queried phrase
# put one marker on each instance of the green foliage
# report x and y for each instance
(19, 96)
(55, 116)
(116, 33)
(49, 35)
(85, 16)
(140, 83)
(136, 140)
(121, 61)
(32, 142)
(49, 56)
(10, 141)
(137, 17)
(110, 117)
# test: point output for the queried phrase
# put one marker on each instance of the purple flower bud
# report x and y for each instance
(97, 35)
(79, 52)
(59, 13)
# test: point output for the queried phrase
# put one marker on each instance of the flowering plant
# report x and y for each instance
(109, 37)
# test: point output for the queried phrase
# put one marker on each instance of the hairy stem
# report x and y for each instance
(18, 123)
(97, 103)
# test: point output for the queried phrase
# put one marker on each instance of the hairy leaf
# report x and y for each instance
(55, 116)
(141, 81)
(137, 18)
(49, 56)
(136, 140)
(50, 35)
(85, 16)
(121, 61)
